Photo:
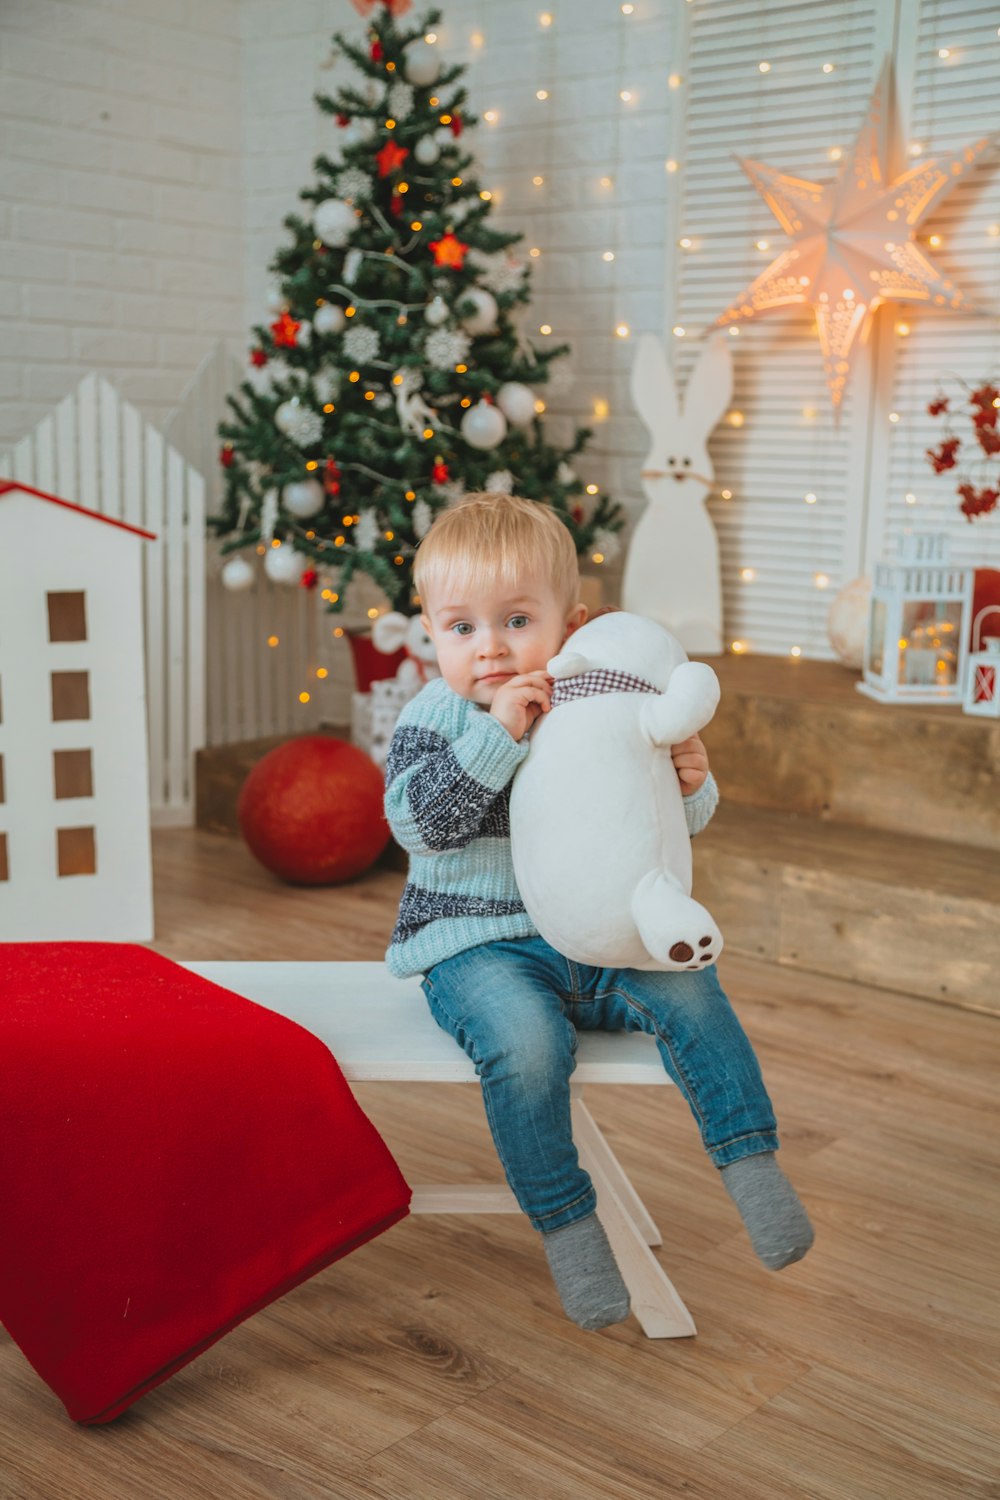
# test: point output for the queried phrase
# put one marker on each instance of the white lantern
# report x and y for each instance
(517, 402)
(982, 678)
(484, 318)
(437, 311)
(303, 498)
(918, 625)
(427, 151)
(333, 221)
(283, 564)
(484, 426)
(423, 63)
(237, 574)
(329, 318)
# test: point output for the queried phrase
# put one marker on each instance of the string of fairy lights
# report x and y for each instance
(544, 89)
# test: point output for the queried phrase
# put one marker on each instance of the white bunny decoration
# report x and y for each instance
(392, 630)
(672, 568)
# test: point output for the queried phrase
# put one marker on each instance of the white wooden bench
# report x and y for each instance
(380, 1031)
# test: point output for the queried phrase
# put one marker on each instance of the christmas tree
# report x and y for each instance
(394, 376)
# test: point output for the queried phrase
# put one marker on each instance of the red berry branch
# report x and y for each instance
(979, 492)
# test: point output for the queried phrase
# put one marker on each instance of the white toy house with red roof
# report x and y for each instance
(74, 789)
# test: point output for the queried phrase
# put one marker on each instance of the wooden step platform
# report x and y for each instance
(896, 911)
(796, 736)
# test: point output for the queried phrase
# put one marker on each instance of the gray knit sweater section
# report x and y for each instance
(447, 799)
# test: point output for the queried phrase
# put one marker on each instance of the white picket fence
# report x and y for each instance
(96, 450)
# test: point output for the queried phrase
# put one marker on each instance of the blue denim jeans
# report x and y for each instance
(516, 1006)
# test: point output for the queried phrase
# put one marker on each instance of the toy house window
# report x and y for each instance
(72, 773)
(4, 875)
(67, 617)
(70, 695)
(77, 854)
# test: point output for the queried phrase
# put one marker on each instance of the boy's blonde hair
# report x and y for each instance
(490, 538)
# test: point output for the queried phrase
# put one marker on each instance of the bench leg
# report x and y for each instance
(590, 1140)
(655, 1302)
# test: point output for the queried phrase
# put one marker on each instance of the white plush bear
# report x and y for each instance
(599, 839)
(392, 630)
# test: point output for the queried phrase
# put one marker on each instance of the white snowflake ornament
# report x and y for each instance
(299, 422)
(501, 481)
(422, 518)
(366, 532)
(361, 343)
(353, 183)
(400, 100)
(446, 347)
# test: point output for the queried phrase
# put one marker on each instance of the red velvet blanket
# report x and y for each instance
(173, 1157)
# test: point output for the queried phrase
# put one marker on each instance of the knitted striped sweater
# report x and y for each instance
(447, 799)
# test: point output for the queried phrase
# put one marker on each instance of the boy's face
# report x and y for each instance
(485, 640)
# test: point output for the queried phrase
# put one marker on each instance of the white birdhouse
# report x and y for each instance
(982, 677)
(918, 625)
(74, 789)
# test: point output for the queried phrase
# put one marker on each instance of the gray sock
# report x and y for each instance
(586, 1274)
(775, 1220)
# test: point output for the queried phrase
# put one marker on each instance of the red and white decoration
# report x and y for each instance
(982, 682)
(74, 805)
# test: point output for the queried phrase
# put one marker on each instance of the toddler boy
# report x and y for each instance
(499, 583)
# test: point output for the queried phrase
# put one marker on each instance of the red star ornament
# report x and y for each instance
(852, 241)
(285, 330)
(390, 158)
(449, 251)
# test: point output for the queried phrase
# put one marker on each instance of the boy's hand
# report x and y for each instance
(690, 760)
(519, 701)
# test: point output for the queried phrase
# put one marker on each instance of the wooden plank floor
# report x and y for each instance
(435, 1363)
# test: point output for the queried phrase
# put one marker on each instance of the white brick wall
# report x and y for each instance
(121, 197)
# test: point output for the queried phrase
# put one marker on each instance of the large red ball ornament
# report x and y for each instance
(311, 811)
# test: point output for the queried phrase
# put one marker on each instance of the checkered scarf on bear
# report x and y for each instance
(600, 680)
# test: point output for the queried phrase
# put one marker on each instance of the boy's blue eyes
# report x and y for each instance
(462, 627)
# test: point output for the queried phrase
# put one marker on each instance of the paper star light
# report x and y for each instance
(449, 251)
(853, 244)
(390, 158)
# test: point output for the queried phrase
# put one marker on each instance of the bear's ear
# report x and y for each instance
(568, 664)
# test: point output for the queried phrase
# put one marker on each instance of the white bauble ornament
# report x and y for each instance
(437, 311)
(329, 319)
(847, 622)
(303, 498)
(334, 221)
(564, 473)
(427, 151)
(517, 402)
(237, 574)
(358, 131)
(484, 319)
(484, 426)
(276, 300)
(283, 564)
(423, 63)
(299, 422)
